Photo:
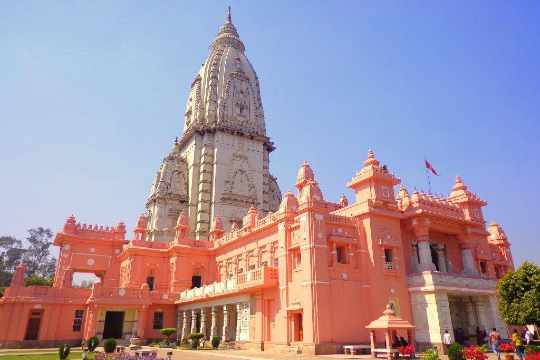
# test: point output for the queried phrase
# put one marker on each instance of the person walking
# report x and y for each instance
(528, 336)
(494, 340)
(518, 345)
(447, 340)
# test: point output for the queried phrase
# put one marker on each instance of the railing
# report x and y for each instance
(434, 279)
(262, 277)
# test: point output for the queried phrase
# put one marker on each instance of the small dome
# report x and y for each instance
(459, 184)
(305, 174)
(371, 160)
(289, 203)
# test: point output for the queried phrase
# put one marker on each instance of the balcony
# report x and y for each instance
(264, 277)
(451, 282)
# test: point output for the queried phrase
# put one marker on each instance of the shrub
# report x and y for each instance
(506, 348)
(532, 349)
(38, 280)
(167, 332)
(474, 353)
(455, 351)
(195, 339)
(92, 343)
(109, 345)
(215, 342)
(63, 351)
(533, 356)
(431, 354)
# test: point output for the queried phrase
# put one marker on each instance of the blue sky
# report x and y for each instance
(93, 94)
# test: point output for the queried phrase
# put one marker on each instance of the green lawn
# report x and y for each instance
(52, 356)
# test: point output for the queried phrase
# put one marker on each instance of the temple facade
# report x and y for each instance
(222, 252)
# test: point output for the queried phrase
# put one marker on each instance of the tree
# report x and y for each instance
(37, 258)
(38, 280)
(519, 295)
(10, 255)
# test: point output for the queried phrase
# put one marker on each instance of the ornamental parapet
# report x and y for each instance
(44, 294)
(263, 277)
(434, 281)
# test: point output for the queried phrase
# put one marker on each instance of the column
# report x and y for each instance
(225, 323)
(203, 321)
(213, 325)
(498, 323)
(441, 257)
(468, 261)
(471, 317)
(238, 320)
(179, 324)
(193, 321)
(185, 329)
(141, 323)
(424, 251)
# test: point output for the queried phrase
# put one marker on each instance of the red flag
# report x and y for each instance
(430, 167)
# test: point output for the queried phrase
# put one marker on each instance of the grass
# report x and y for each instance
(51, 356)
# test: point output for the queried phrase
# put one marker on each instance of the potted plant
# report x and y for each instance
(507, 348)
(215, 342)
(167, 332)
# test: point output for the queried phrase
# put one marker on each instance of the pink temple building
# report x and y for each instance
(219, 250)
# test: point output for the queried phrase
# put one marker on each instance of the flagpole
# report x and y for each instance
(428, 177)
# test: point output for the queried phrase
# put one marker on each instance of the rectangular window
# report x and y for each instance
(341, 254)
(483, 267)
(296, 258)
(77, 321)
(158, 320)
(388, 259)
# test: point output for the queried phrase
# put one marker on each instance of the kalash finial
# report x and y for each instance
(229, 19)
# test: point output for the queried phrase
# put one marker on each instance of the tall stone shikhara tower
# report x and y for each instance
(220, 164)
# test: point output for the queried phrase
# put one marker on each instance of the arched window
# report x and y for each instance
(150, 281)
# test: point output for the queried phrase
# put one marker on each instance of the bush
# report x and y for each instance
(215, 342)
(455, 352)
(109, 345)
(195, 339)
(167, 332)
(38, 280)
(92, 343)
(431, 354)
(532, 349)
(474, 353)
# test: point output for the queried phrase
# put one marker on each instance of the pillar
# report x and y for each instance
(185, 328)
(179, 324)
(424, 251)
(203, 322)
(238, 321)
(213, 325)
(468, 261)
(141, 323)
(193, 321)
(442, 258)
(225, 323)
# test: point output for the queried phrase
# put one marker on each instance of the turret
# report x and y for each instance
(140, 229)
(289, 203)
(469, 202)
(18, 277)
(182, 227)
(217, 230)
(374, 182)
(308, 188)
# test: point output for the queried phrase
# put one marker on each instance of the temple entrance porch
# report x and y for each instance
(228, 319)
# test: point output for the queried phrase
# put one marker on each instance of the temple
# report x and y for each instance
(220, 251)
